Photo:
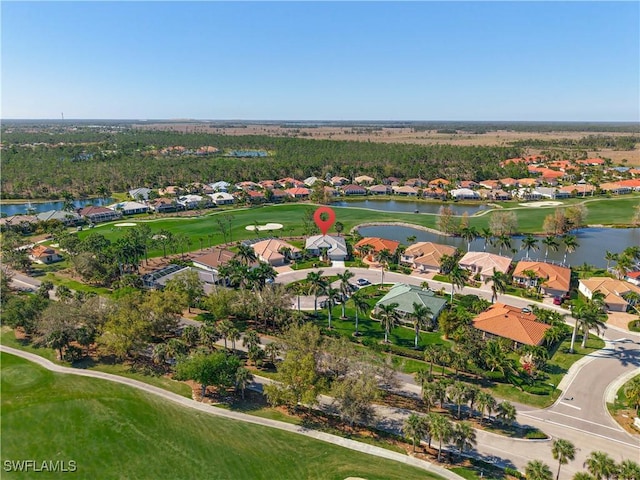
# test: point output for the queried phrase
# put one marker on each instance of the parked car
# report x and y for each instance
(557, 300)
(362, 282)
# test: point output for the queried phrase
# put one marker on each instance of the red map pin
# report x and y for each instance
(324, 218)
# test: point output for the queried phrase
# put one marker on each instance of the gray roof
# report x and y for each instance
(140, 192)
(334, 245)
(406, 295)
(61, 215)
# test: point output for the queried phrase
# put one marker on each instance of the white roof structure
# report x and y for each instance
(335, 246)
(464, 193)
(220, 186)
(309, 181)
(484, 263)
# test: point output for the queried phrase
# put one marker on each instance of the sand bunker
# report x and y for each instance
(540, 204)
(125, 224)
(266, 226)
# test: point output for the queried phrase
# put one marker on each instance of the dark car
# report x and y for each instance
(557, 300)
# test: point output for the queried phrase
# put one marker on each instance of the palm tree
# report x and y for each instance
(610, 257)
(550, 243)
(271, 350)
(458, 277)
(538, 470)
(503, 241)
(487, 235)
(388, 316)
(441, 429)
(499, 282)
(246, 254)
(429, 394)
(361, 306)
(582, 476)
(365, 250)
(190, 335)
(456, 393)
(506, 413)
(421, 315)
(589, 315)
(485, 402)
(570, 245)
(333, 295)
(601, 465)
(628, 470)
(242, 379)
(469, 234)
(317, 285)
(623, 266)
(632, 392)
(563, 451)
(383, 257)
(415, 427)
(432, 353)
(529, 243)
(345, 288)
(233, 335)
(464, 436)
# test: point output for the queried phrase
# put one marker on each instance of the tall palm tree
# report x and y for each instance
(503, 241)
(415, 427)
(458, 277)
(628, 470)
(529, 242)
(589, 315)
(487, 235)
(345, 288)
(333, 294)
(538, 470)
(464, 436)
(486, 403)
(563, 451)
(383, 257)
(550, 243)
(441, 428)
(570, 245)
(421, 316)
(506, 413)
(317, 285)
(361, 306)
(246, 254)
(499, 282)
(242, 379)
(432, 353)
(365, 250)
(623, 266)
(469, 234)
(456, 393)
(388, 316)
(601, 465)
(610, 257)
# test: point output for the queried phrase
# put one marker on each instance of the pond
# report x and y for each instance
(21, 208)
(410, 206)
(593, 243)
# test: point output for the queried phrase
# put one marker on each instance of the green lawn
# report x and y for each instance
(112, 431)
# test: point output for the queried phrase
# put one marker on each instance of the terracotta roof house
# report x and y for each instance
(391, 181)
(562, 165)
(468, 184)
(277, 195)
(498, 194)
(170, 190)
(579, 189)
(339, 181)
(364, 179)
(380, 190)
(464, 194)
(96, 214)
(491, 184)
(269, 184)
(508, 182)
(376, 244)
(353, 190)
(484, 264)
(213, 260)
(290, 182)
(425, 256)
(591, 162)
(509, 322)
(165, 205)
(247, 185)
(614, 291)
(336, 247)
(615, 188)
(439, 182)
(556, 279)
(634, 171)
(222, 198)
(631, 183)
(416, 182)
(255, 197)
(44, 255)
(269, 251)
(405, 190)
(546, 173)
(298, 192)
(406, 295)
(529, 182)
(434, 192)
(633, 277)
(330, 191)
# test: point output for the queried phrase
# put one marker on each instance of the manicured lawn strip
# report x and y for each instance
(75, 285)
(117, 432)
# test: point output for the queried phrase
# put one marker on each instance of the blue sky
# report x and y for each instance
(574, 61)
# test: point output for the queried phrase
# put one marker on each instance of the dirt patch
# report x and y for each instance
(625, 417)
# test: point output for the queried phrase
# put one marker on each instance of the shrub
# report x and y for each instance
(535, 435)
(634, 325)
(512, 472)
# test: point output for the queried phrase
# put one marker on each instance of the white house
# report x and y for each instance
(464, 194)
(129, 208)
(220, 186)
(335, 247)
(140, 193)
(222, 198)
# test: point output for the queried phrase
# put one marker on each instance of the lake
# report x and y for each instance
(593, 242)
(410, 207)
(21, 208)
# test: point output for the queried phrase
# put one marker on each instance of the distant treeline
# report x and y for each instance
(89, 162)
(589, 142)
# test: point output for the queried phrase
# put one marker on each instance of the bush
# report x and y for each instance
(535, 435)
(634, 325)
(512, 472)
(536, 389)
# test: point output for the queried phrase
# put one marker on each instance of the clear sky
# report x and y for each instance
(574, 61)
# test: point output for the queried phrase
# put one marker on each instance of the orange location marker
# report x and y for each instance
(324, 218)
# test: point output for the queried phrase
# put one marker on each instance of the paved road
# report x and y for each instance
(189, 403)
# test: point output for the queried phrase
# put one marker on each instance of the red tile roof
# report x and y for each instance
(378, 244)
(510, 322)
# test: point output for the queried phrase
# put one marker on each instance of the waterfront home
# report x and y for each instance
(68, 218)
(435, 192)
(95, 214)
(484, 264)
(405, 190)
(468, 184)
(553, 280)
(380, 190)
(376, 245)
(334, 247)
(19, 223)
(439, 182)
(513, 323)
(298, 192)
(353, 190)
(406, 295)
(129, 208)
(44, 255)
(222, 198)
(615, 291)
(364, 179)
(426, 256)
(415, 182)
(275, 252)
(615, 188)
(140, 194)
(339, 181)
(579, 189)
(464, 194)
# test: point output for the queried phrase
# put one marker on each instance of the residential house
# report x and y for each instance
(364, 179)
(20, 223)
(194, 201)
(298, 192)
(405, 190)
(214, 260)
(615, 188)
(614, 291)
(68, 218)
(139, 194)
(380, 190)
(554, 279)
(516, 324)
(484, 264)
(406, 296)
(425, 256)
(95, 214)
(552, 192)
(278, 195)
(222, 198)
(464, 194)
(246, 186)
(220, 186)
(435, 192)
(269, 184)
(634, 184)
(339, 181)
(579, 189)
(498, 194)
(253, 196)
(376, 245)
(129, 208)
(353, 190)
(335, 247)
(633, 277)
(310, 181)
(45, 255)
(529, 182)
(416, 182)
(391, 181)
(591, 162)
(439, 182)
(490, 184)
(171, 190)
(271, 251)
(159, 278)
(468, 184)
(290, 182)
(528, 194)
